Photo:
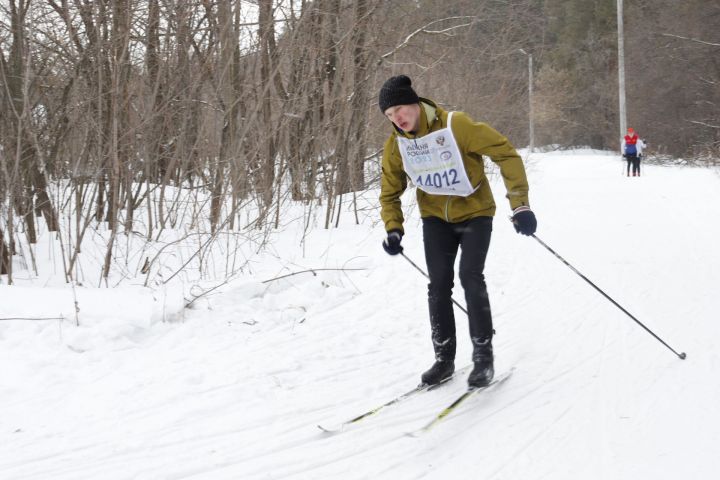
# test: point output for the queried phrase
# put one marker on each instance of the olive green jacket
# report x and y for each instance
(474, 140)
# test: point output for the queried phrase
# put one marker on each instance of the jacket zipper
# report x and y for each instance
(447, 206)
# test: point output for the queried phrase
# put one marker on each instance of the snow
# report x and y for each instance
(235, 386)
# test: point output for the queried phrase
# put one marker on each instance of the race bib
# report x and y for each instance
(434, 163)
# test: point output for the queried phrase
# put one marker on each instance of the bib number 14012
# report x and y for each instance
(447, 178)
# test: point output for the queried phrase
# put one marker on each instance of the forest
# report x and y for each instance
(113, 112)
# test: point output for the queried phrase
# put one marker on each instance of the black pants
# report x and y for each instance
(633, 160)
(442, 240)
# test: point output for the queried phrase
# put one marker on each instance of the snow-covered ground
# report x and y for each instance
(234, 388)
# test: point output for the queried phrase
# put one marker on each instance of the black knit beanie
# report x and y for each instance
(397, 91)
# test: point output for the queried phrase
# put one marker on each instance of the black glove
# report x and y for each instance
(524, 220)
(392, 243)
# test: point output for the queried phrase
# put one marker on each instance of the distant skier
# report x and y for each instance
(632, 147)
(640, 145)
(442, 153)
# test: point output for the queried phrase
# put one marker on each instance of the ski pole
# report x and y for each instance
(680, 355)
(428, 277)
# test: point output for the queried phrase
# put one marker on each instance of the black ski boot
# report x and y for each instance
(440, 371)
(444, 365)
(484, 369)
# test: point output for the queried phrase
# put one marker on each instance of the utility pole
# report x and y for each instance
(621, 68)
(530, 95)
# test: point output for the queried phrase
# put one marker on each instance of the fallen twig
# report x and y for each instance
(313, 270)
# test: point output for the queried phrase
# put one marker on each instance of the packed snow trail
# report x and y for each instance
(236, 389)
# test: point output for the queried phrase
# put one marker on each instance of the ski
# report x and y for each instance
(459, 400)
(420, 388)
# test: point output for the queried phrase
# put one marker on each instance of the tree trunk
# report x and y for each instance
(267, 159)
(18, 85)
(4, 255)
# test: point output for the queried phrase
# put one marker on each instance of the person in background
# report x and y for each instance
(640, 145)
(442, 153)
(632, 147)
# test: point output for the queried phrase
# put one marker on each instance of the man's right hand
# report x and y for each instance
(392, 243)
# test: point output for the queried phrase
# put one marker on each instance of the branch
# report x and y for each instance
(705, 124)
(31, 319)
(188, 304)
(312, 270)
(691, 39)
(444, 31)
(423, 30)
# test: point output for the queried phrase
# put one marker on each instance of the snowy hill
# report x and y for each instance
(234, 387)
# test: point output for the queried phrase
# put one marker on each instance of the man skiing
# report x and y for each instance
(442, 154)
(632, 147)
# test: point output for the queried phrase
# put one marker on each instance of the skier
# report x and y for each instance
(442, 154)
(632, 147)
(640, 145)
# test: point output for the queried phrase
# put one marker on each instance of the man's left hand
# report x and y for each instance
(524, 220)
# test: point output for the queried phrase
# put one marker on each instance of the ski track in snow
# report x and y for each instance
(237, 388)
